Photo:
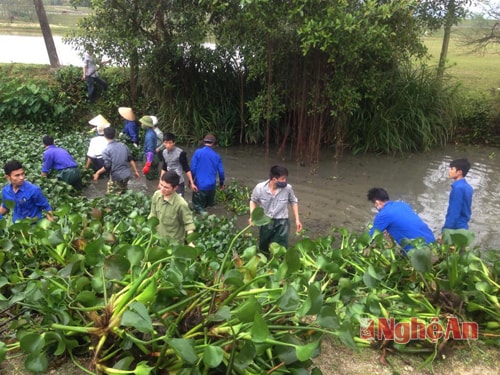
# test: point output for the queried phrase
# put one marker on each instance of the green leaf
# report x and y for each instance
(116, 267)
(484, 287)
(137, 316)
(233, 277)
(223, 314)
(327, 318)
(304, 352)
(292, 259)
(327, 266)
(36, 362)
(86, 298)
(421, 259)
(186, 252)
(135, 254)
(32, 343)
(259, 218)
(289, 300)
(212, 356)
(143, 368)
(259, 331)
(247, 311)
(3, 351)
(313, 303)
(93, 254)
(369, 280)
(184, 348)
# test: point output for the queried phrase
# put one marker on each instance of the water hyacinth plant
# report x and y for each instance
(99, 285)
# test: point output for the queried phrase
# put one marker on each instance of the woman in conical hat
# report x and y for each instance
(131, 128)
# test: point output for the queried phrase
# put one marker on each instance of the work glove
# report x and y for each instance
(146, 168)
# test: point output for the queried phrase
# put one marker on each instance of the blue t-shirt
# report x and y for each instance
(57, 158)
(399, 219)
(131, 130)
(459, 206)
(29, 201)
(205, 165)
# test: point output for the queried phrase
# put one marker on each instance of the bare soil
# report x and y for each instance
(336, 359)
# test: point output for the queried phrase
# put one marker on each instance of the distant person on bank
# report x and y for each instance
(274, 195)
(90, 75)
(117, 161)
(397, 219)
(206, 164)
(60, 160)
(28, 199)
(97, 144)
(131, 128)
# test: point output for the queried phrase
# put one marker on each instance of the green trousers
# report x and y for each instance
(276, 231)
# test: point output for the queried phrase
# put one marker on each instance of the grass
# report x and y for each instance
(62, 19)
(476, 72)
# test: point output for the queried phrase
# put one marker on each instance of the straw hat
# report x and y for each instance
(127, 113)
(146, 121)
(99, 120)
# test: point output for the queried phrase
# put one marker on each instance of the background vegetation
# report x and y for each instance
(280, 86)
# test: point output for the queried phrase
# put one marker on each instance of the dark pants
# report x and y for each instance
(203, 199)
(181, 189)
(93, 84)
(71, 176)
(97, 163)
(276, 231)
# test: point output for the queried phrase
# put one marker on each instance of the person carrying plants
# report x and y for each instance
(131, 128)
(97, 144)
(60, 160)
(25, 199)
(274, 195)
(172, 211)
(397, 219)
(151, 161)
(117, 160)
(175, 159)
(205, 165)
(460, 200)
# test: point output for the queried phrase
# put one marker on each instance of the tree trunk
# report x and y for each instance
(47, 34)
(450, 16)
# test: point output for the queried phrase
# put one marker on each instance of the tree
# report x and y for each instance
(486, 30)
(446, 14)
(47, 34)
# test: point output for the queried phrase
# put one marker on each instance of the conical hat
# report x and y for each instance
(99, 120)
(126, 113)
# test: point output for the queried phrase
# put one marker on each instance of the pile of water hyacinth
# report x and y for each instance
(98, 286)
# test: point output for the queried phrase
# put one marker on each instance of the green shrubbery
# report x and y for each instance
(408, 119)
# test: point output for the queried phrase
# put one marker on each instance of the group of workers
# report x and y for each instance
(113, 158)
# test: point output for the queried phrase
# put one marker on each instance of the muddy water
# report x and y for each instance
(333, 194)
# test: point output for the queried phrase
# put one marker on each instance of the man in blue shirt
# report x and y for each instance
(27, 199)
(460, 201)
(60, 160)
(397, 219)
(205, 165)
